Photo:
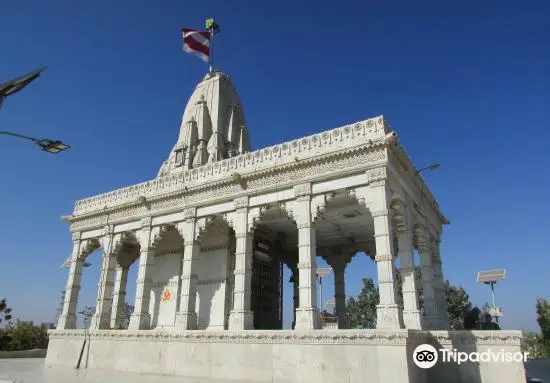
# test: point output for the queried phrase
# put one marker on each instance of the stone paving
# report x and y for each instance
(32, 371)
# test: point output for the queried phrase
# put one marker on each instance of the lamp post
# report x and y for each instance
(322, 272)
(431, 167)
(45, 144)
(13, 86)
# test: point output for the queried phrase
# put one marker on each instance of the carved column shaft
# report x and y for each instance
(119, 296)
(430, 318)
(187, 316)
(241, 317)
(388, 315)
(307, 315)
(102, 316)
(296, 296)
(411, 312)
(67, 320)
(141, 318)
(439, 287)
(340, 293)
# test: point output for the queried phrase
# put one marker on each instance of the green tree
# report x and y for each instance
(543, 318)
(25, 336)
(459, 306)
(535, 345)
(89, 311)
(362, 310)
(5, 311)
(87, 314)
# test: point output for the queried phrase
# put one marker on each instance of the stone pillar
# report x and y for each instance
(338, 263)
(439, 287)
(295, 298)
(377, 197)
(411, 313)
(186, 318)
(102, 317)
(431, 317)
(141, 318)
(340, 295)
(67, 319)
(119, 297)
(241, 316)
(307, 314)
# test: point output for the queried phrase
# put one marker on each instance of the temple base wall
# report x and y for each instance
(284, 356)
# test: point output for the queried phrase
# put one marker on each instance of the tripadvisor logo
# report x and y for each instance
(426, 356)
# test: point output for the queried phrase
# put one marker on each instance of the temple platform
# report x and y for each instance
(285, 356)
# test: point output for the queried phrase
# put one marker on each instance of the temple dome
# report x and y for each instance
(213, 126)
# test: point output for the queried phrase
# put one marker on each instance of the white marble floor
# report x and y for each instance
(33, 371)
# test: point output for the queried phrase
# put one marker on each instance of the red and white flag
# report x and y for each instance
(197, 43)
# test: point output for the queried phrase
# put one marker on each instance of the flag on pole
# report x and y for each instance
(197, 43)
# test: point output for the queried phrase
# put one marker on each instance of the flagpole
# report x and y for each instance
(211, 27)
(211, 55)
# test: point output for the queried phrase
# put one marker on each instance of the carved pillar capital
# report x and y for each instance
(240, 202)
(302, 190)
(146, 222)
(376, 176)
(190, 213)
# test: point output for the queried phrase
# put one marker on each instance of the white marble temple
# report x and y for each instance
(210, 234)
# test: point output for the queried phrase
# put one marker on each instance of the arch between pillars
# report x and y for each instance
(265, 226)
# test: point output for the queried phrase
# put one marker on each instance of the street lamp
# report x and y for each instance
(322, 272)
(331, 304)
(431, 167)
(45, 144)
(13, 86)
(490, 278)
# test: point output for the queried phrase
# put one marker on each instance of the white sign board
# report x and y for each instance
(496, 312)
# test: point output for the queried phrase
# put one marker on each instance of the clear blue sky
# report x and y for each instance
(463, 84)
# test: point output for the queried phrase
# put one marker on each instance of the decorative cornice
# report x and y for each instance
(207, 249)
(174, 251)
(358, 134)
(499, 338)
(349, 161)
(339, 337)
(366, 337)
(211, 281)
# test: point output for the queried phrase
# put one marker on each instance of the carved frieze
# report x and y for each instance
(376, 175)
(369, 132)
(351, 337)
(255, 182)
